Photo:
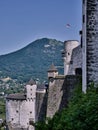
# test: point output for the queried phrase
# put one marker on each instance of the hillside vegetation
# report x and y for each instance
(32, 61)
(2, 108)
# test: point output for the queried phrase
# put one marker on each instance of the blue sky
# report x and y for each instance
(23, 21)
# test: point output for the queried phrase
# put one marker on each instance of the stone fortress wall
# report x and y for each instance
(41, 106)
(90, 42)
(60, 93)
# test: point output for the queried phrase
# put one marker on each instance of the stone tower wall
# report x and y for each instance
(31, 91)
(76, 60)
(20, 109)
(54, 96)
(16, 113)
(41, 106)
(69, 46)
(60, 93)
(84, 46)
(90, 42)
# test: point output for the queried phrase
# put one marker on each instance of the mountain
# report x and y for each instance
(32, 61)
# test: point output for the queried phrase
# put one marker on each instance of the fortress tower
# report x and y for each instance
(69, 46)
(20, 108)
(90, 42)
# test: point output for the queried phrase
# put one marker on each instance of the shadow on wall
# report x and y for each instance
(78, 71)
(70, 83)
(41, 106)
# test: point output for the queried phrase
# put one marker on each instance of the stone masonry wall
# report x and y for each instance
(15, 114)
(76, 60)
(60, 93)
(92, 41)
(69, 46)
(54, 96)
(41, 106)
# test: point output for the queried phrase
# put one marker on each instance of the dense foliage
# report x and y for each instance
(32, 61)
(2, 125)
(2, 114)
(2, 108)
(81, 114)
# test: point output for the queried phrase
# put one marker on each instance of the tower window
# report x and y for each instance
(83, 18)
(16, 111)
(81, 42)
(31, 122)
(83, 1)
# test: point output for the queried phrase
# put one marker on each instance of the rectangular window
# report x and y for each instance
(81, 42)
(83, 18)
(83, 1)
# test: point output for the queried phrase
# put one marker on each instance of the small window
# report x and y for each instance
(83, 1)
(30, 112)
(32, 99)
(83, 18)
(31, 89)
(78, 71)
(81, 42)
(12, 119)
(31, 123)
(68, 53)
(16, 111)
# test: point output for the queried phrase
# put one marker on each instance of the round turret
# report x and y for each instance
(69, 46)
(31, 82)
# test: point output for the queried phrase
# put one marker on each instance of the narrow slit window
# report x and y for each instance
(83, 18)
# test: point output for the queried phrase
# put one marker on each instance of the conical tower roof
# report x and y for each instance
(52, 68)
(31, 82)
